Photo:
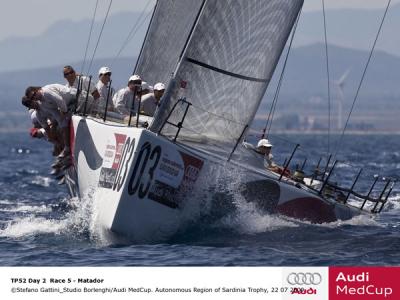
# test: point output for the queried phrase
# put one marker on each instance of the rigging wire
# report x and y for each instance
(98, 39)
(90, 36)
(328, 78)
(362, 79)
(275, 99)
(138, 24)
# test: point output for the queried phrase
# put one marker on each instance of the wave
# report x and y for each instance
(205, 208)
(361, 220)
(248, 220)
(42, 181)
(6, 202)
(28, 208)
(22, 227)
(76, 219)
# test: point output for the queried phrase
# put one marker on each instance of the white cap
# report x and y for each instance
(145, 86)
(264, 142)
(134, 78)
(159, 86)
(104, 70)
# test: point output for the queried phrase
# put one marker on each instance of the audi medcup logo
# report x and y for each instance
(304, 278)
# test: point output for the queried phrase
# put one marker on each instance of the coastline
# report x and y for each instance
(25, 129)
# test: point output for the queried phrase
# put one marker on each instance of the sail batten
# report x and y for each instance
(225, 71)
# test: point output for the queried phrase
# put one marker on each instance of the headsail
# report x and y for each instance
(168, 31)
(228, 64)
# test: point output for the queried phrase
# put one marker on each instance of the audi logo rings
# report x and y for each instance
(304, 278)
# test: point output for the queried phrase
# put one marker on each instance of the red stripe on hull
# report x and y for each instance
(310, 209)
(72, 138)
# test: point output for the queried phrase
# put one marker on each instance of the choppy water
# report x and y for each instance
(39, 225)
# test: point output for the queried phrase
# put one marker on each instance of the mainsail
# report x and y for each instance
(227, 64)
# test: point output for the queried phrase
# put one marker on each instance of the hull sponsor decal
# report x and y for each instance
(164, 194)
(183, 177)
(163, 175)
(123, 164)
(143, 170)
(192, 167)
(111, 161)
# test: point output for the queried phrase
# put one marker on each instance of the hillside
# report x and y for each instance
(303, 94)
(65, 41)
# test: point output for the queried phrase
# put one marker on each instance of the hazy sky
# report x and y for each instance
(32, 17)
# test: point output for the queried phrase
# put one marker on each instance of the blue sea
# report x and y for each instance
(41, 226)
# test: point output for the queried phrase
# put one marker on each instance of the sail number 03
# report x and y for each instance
(143, 170)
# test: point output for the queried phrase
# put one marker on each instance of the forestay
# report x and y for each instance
(167, 34)
(228, 63)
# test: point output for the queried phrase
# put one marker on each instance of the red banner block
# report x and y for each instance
(364, 283)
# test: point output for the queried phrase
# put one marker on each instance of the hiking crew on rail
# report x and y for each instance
(52, 106)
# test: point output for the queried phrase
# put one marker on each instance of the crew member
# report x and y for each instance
(123, 98)
(105, 90)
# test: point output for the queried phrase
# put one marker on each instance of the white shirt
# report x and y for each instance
(84, 84)
(43, 118)
(34, 118)
(56, 98)
(268, 162)
(148, 104)
(103, 91)
(123, 101)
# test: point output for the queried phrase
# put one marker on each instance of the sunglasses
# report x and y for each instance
(107, 74)
(68, 73)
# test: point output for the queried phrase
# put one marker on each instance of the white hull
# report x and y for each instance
(141, 183)
(135, 178)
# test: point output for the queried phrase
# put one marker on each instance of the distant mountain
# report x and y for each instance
(306, 71)
(305, 77)
(65, 41)
(351, 28)
(13, 84)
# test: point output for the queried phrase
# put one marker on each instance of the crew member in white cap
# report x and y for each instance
(123, 98)
(159, 89)
(103, 85)
(151, 101)
(264, 148)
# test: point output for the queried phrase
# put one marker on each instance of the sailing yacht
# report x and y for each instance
(217, 58)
